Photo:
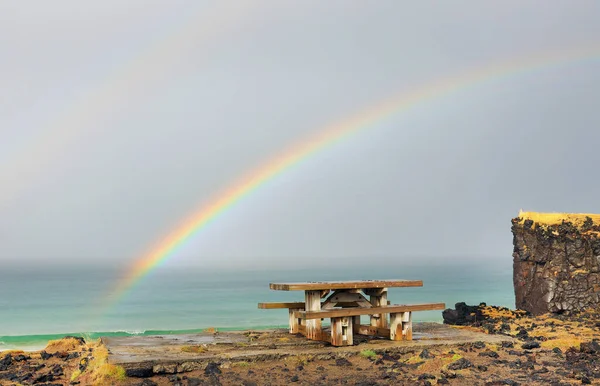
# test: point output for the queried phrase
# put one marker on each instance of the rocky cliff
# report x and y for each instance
(556, 261)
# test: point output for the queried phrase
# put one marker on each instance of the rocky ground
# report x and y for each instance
(546, 350)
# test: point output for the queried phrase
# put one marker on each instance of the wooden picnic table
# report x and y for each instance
(347, 302)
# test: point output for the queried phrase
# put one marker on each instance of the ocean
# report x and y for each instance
(42, 303)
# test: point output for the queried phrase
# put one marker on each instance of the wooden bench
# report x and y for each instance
(295, 324)
(344, 321)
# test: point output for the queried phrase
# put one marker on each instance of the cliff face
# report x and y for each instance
(556, 262)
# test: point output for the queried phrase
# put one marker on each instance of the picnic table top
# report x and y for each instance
(353, 284)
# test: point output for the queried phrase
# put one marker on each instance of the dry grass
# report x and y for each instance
(438, 363)
(194, 349)
(63, 345)
(495, 313)
(557, 218)
(99, 371)
(12, 352)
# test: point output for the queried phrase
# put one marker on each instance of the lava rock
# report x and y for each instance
(139, 372)
(43, 378)
(589, 348)
(478, 345)
(530, 345)
(425, 354)
(295, 378)
(489, 353)
(460, 364)
(73, 355)
(45, 355)
(342, 362)
(57, 370)
(5, 362)
(194, 382)
(212, 369)
(147, 382)
(502, 382)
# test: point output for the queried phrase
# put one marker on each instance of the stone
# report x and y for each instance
(194, 382)
(460, 364)
(295, 378)
(45, 355)
(5, 362)
(530, 345)
(139, 372)
(489, 353)
(342, 362)
(478, 345)
(212, 369)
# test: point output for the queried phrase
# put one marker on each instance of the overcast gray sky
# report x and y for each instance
(120, 119)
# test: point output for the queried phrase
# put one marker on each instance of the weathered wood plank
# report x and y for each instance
(294, 321)
(342, 297)
(301, 329)
(372, 331)
(407, 325)
(395, 326)
(378, 300)
(368, 311)
(341, 331)
(333, 285)
(313, 304)
(271, 306)
(298, 305)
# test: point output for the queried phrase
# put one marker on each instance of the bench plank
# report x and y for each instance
(369, 311)
(333, 285)
(271, 306)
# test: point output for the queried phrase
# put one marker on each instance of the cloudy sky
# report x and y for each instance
(119, 120)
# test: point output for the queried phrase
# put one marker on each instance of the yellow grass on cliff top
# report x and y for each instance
(576, 219)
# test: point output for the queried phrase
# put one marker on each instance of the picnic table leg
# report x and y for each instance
(294, 322)
(313, 303)
(396, 326)
(378, 298)
(407, 325)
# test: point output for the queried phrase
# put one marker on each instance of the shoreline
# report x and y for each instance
(503, 347)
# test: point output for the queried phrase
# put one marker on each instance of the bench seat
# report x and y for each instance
(395, 308)
(346, 321)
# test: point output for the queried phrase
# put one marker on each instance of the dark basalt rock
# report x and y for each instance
(530, 345)
(342, 362)
(45, 355)
(463, 314)
(212, 369)
(460, 364)
(139, 372)
(555, 268)
(489, 353)
(148, 382)
(21, 358)
(502, 382)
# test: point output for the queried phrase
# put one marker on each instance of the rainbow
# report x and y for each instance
(327, 137)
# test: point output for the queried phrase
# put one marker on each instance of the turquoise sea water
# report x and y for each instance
(38, 304)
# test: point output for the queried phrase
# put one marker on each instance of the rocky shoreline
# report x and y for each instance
(539, 350)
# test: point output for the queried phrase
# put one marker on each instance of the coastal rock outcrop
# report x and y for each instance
(556, 262)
